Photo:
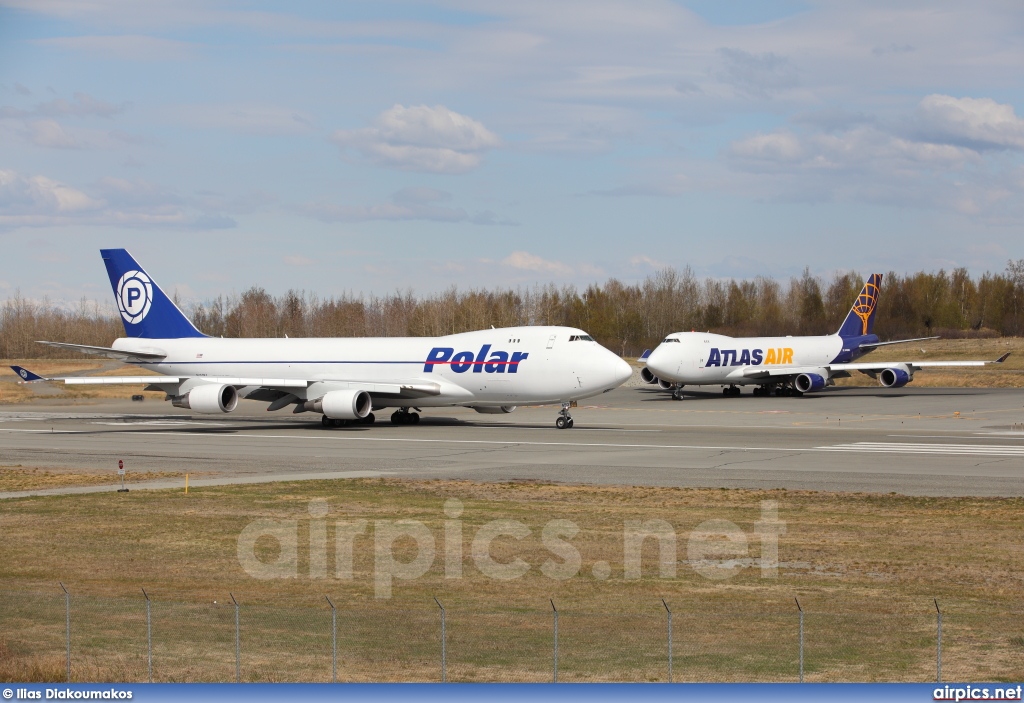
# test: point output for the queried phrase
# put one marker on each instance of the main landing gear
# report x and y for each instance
(328, 422)
(564, 421)
(731, 390)
(402, 416)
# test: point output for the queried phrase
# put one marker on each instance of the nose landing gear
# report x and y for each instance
(564, 421)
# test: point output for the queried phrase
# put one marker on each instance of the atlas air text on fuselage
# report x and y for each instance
(749, 357)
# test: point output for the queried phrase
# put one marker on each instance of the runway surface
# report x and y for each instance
(919, 442)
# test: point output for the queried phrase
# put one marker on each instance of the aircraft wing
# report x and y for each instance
(867, 367)
(399, 388)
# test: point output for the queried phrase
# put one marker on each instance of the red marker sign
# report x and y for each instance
(120, 464)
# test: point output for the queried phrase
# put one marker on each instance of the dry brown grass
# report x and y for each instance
(865, 567)
(19, 478)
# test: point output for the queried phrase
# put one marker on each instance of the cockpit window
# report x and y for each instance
(668, 340)
(581, 338)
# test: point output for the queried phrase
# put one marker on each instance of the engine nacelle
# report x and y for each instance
(895, 377)
(665, 385)
(208, 398)
(646, 376)
(493, 410)
(809, 382)
(342, 405)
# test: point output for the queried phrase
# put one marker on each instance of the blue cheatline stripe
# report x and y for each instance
(165, 362)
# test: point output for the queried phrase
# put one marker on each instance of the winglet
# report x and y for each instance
(647, 353)
(26, 375)
(1002, 358)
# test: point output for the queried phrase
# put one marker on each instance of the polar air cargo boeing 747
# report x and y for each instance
(784, 365)
(491, 371)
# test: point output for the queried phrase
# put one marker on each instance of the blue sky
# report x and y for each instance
(388, 145)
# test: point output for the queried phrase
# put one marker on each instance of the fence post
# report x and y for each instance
(444, 643)
(554, 675)
(938, 642)
(238, 643)
(669, 611)
(67, 626)
(149, 635)
(334, 641)
(801, 639)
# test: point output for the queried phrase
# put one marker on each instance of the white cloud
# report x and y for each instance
(247, 119)
(758, 75)
(39, 195)
(415, 203)
(775, 147)
(49, 134)
(81, 105)
(421, 138)
(39, 201)
(526, 261)
(127, 47)
(978, 123)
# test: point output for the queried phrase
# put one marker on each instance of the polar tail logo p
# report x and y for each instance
(145, 310)
(861, 319)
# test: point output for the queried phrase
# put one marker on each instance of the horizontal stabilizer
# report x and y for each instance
(872, 345)
(150, 354)
(26, 375)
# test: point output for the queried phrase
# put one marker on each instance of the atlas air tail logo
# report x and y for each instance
(134, 296)
(864, 308)
(483, 361)
(749, 357)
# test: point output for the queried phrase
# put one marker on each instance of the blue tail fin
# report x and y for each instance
(146, 310)
(861, 320)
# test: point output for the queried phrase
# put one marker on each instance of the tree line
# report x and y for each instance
(626, 318)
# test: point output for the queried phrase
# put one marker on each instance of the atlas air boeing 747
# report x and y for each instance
(784, 365)
(491, 371)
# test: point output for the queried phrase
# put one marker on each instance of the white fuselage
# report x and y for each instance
(701, 358)
(508, 366)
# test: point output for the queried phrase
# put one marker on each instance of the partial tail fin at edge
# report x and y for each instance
(145, 310)
(861, 319)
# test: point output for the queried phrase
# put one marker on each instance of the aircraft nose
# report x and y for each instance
(621, 370)
(657, 362)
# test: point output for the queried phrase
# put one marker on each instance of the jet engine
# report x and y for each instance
(493, 410)
(208, 398)
(895, 377)
(665, 385)
(808, 382)
(646, 376)
(342, 405)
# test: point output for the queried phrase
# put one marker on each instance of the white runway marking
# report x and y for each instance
(857, 447)
(920, 448)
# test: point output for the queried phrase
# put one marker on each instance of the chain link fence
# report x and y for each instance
(62, 636)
